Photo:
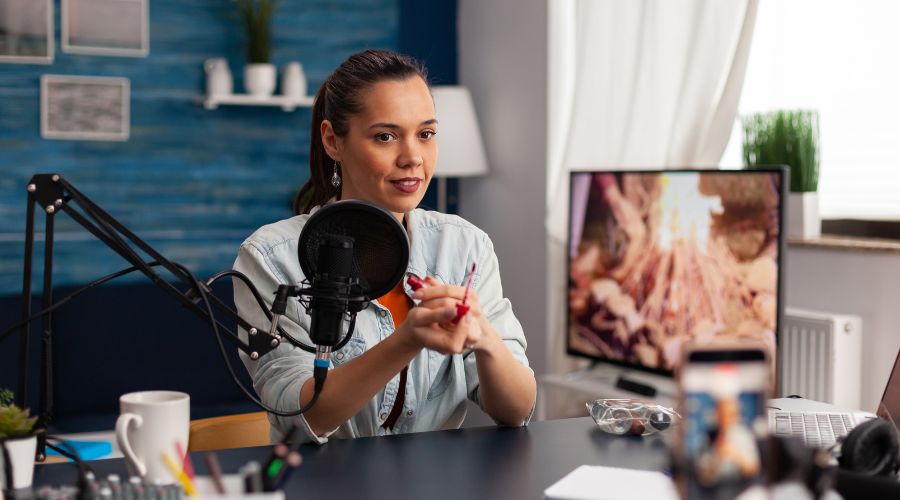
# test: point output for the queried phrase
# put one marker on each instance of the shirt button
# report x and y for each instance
(383, 314)
(409, 413)
(383, 416)
(339, 356)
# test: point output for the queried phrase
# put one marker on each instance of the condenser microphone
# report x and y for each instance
(332, 288)
(351, 252)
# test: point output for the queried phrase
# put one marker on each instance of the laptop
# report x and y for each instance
(821, 428)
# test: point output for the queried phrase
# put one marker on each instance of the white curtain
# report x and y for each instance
(635, 84)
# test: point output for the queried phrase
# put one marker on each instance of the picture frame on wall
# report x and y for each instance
(105, 27)
(26, 31)
(85, 108)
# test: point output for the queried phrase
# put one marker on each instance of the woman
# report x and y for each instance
(406, 369)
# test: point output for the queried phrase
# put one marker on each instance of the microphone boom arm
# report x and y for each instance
(54, 194)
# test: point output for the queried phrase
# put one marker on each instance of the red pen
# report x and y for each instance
(186, 463)
(462, 308)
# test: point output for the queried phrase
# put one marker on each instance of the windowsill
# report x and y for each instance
(847, 243)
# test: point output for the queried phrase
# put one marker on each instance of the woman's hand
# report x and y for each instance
(448, 337)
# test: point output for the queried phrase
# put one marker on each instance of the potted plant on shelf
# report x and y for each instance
(259, 73)
(18, 444)
(789, 138)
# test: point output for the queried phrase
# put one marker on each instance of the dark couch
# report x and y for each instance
(123, 338)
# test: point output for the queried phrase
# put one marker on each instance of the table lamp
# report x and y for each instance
(459, 139)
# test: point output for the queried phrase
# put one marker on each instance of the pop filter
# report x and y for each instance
(380, 244)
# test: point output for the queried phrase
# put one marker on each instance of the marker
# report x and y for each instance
(284, 459)
(252, 477)
(180, 475)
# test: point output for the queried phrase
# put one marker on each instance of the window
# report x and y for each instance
(840, 58)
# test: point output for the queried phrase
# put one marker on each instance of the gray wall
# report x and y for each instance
(853, 282)
(503, 61)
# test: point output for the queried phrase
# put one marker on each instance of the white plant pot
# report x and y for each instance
(259, 79)
(21, 453)
(293, 80)
(803, 216)
(218, 77)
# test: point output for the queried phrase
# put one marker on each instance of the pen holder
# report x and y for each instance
(234, 487)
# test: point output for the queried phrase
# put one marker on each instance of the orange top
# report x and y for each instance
(397, 302)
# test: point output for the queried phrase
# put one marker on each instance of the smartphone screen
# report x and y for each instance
(723, 400)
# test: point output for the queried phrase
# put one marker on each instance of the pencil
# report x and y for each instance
(179, 474)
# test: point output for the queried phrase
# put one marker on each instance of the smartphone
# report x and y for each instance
(721, 446)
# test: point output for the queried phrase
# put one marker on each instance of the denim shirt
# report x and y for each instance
(441, 245)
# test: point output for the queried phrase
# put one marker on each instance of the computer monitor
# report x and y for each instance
(657, 258)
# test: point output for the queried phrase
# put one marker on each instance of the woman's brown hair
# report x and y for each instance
(337, 100)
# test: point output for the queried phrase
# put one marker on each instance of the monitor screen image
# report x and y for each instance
(660, 258)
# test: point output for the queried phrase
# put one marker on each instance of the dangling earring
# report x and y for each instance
(335, 178)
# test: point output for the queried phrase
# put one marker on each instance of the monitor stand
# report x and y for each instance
(563, 395)
(624, 380)
(626, 383)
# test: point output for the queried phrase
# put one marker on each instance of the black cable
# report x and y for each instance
(105, 230)
(85, 472)
(262, 305)
(69, 297)
(7, 471)
(66, 449)
(203, 294)
(99, 281)
(317, 374)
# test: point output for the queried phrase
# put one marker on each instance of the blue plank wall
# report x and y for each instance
(191, 182)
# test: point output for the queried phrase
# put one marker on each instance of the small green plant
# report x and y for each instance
(15, 422)
(785, 138)
(256, 16)
(6, 397)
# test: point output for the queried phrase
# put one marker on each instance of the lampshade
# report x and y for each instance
(459, 139)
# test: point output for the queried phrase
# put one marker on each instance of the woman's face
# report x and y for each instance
(389, 152)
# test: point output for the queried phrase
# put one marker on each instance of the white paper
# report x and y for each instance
(594, 482)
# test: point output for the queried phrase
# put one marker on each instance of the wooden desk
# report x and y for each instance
(484, 462)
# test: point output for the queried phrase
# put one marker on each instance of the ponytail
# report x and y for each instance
(318, 189)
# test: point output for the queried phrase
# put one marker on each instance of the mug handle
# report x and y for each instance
(122, 437)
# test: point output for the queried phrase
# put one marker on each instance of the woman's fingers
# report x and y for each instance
(446, 344)
(434, 329)
(438, 303)
(438, 290)
(423, 316)
(445, 291)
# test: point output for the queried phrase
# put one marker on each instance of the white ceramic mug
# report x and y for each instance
(150, 424)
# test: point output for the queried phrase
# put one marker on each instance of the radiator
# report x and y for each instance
(821, 357)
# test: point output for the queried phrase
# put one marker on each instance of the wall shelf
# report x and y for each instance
(285, 102)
